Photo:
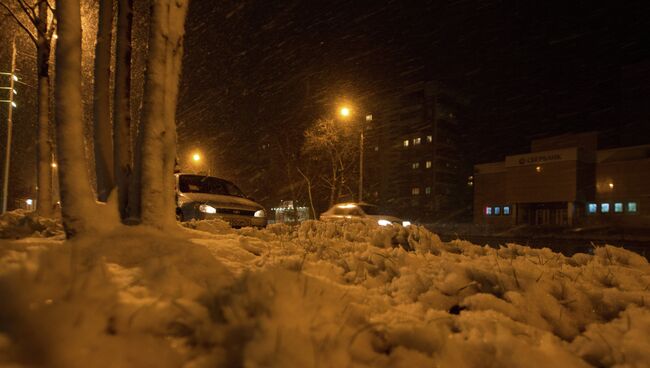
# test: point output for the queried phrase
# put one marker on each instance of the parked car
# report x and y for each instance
(361, 210)
(207, 197)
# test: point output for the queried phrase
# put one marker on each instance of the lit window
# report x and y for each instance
(604, 207)
(429, 138)
(415, 191)
(506, 210)
(406, 143)
(497, 211)
(428, 164)
(417, 141)
(427, 190)
(592, 208)
(415, 165)
(618, 207)
(488, 211)
(631, 207)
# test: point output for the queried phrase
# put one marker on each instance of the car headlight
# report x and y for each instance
(383, 222)
(260, 213)
(205, 208)
(406, 223)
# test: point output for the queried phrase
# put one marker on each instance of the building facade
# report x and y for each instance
(415, 167)
(565, 181)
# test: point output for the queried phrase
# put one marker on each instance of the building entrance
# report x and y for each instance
(544, 213)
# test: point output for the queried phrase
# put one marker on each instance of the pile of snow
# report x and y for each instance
(320, 294)
(20, 224)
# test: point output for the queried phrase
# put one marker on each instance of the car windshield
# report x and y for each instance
(208, 185)
(371, 210)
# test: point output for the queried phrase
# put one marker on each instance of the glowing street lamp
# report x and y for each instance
(345, 111)
(196, 157)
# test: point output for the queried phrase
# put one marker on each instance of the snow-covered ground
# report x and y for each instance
(317, 295)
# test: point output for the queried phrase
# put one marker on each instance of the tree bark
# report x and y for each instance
(78, 206)
(158, 113)
(122, 144)
(101, 107)
(44, 140)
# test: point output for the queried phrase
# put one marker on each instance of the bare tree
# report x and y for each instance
(37, 20)
(329, 141)
(122, 144)
(101, 102)
(158, 130)
(78, 205)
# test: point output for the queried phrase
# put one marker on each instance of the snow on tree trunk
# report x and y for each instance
(44, 141)
(122, 145)
(101, 99)
(159, 110)
(78, 207)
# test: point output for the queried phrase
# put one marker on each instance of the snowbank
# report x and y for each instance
(320, 294)
(19, 224)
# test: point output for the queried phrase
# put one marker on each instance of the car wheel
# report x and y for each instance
(179, 215)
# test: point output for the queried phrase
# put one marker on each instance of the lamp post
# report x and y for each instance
(346, 112)
(11, 104)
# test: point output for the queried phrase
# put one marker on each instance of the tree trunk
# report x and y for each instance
(158, 114)
(101, 99)
(122, 145)
(44, 141)
(78, 206)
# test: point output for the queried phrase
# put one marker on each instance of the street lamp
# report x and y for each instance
(199, 162)
(346, 112)
(11, 105)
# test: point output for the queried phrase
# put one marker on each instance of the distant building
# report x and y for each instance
(565, 181)
(414, 164)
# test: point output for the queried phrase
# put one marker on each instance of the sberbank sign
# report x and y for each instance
(539, 158)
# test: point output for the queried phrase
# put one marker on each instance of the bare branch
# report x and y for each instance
(20, 23)
(31, 14)
(51, 28)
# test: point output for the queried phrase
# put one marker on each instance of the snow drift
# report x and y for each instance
(320, 294)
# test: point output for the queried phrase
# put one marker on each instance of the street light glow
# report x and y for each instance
(14, 77)
(54, 165)
(344, 111)
(196, 157)
(13, 104)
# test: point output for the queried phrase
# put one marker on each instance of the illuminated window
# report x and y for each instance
(488, 211)
(631, 207)
(417, 141)
(604, 207)
(406, 143)
(428, 164)
(429, 138)
(415, 165)
(427, 190)
(415, 191)
(618, 207)
(506, 210)
(592, 208)
(497, 211)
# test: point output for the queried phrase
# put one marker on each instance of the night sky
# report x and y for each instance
(527, 68)
(259, 72)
